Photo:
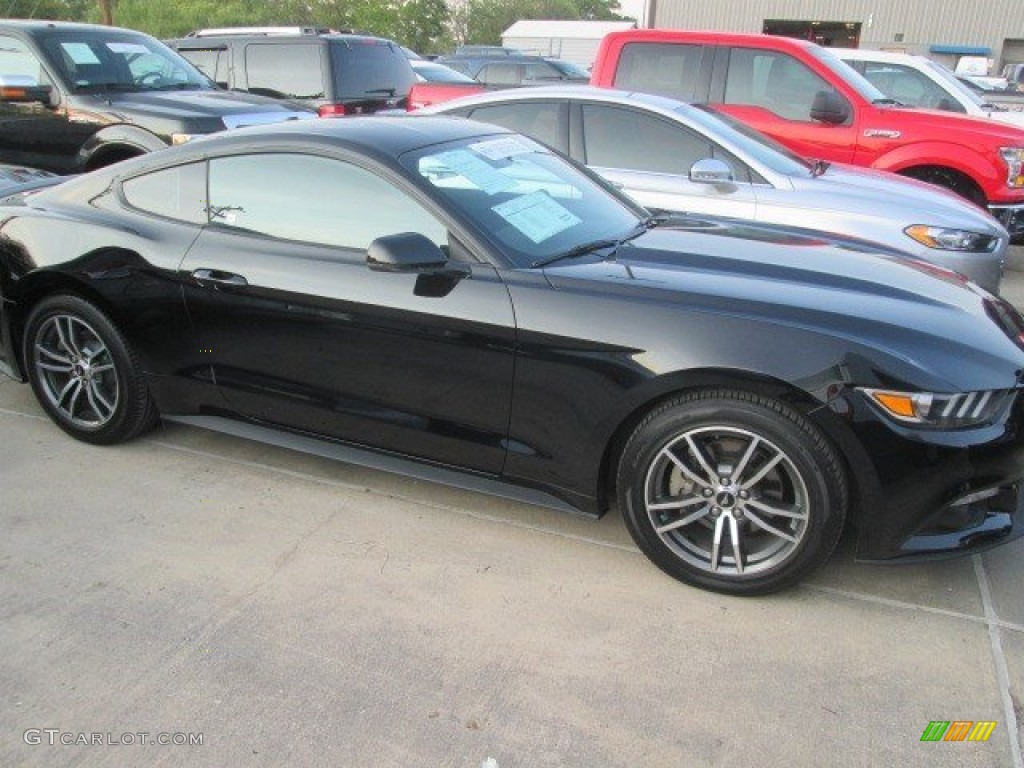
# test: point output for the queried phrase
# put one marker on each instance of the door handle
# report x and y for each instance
(222, 278)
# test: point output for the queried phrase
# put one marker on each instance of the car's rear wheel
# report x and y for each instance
(83, 372)
(732, 492)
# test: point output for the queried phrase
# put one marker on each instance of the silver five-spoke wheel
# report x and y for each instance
(84, 372)
(76, 371)
(726, 500)
(732, 491)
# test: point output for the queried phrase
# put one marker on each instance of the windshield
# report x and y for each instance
(851, 76)
(756, 145)
(950, 81)
(569, 69)
(91, 60)
(439, 73)
(529, 202)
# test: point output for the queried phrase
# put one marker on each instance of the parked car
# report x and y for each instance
(803, 96)
(74, 97)
(17, 175)
(454, 293)
(509, 70)
(435, 72)
(917, 81)
(673, 156)
(333, 73)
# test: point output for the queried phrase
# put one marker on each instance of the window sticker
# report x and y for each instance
(475, 170)
(499, 149)
(80, 53)
(537, 216)
(128, 48)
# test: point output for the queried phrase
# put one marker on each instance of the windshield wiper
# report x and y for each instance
(605, 242)
(819, 167)
(888, 103)
(106, 87)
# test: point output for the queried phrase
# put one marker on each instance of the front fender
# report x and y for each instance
(129, 137)
(982, 169)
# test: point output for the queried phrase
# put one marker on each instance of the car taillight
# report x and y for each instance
(333, 110)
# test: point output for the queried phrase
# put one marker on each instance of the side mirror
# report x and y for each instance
(829, 107)
(711, 171)
(23, 89)
(405, 252)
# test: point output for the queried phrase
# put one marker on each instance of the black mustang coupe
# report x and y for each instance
(451, 296)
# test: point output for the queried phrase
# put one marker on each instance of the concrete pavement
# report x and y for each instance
(293, 611)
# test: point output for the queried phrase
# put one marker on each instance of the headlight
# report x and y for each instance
(182, 138)
(940, 411)
(944, 239)
(1014, 157)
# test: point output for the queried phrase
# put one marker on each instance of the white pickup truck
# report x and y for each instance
(917, 81)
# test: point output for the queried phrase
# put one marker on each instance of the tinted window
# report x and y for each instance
(774, 81)
(501, 73)
(541, 70)
(540, 120)
(370, 68)
(313, 199)
(284, 71)
(18, 65)
(624, 138)
(177, 193)
(212, 62)
(908, 86)
(668, 69)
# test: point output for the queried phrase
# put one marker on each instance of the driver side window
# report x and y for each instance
(773, 81)
(313, 199)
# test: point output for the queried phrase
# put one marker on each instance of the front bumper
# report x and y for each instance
(922, 498)
(1010, 216)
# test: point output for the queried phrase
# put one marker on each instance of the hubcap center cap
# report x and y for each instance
(725, 499)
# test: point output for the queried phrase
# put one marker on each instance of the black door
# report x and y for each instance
(301, 333)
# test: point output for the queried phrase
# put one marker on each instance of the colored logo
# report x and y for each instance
(958, 730)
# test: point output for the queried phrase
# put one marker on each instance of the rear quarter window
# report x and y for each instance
(177, 193)
(284, 71)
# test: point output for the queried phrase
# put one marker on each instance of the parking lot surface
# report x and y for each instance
(289, 610)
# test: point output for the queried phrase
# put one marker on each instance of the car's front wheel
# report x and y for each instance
(732, 492)
(84, 373)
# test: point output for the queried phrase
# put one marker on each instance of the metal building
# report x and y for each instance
(574, 41)
(945, 30)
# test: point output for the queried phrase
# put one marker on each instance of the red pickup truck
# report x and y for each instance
(806, 98)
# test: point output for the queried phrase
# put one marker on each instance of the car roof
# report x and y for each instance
(562, 92)
(31, 25)
(862, 53)
(201, 41)
(388, 136)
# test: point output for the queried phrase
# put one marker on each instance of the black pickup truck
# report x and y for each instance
(74, 97)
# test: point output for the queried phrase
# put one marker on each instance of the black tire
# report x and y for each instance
(791, 481)
(84, 373)
(952, 180)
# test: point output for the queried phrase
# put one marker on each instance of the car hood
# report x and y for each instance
(833, 288)
(849, 188)
(234, 109)
(926, 124)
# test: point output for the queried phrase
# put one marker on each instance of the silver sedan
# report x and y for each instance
(672, 156)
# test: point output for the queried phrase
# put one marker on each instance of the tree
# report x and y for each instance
(65, 10)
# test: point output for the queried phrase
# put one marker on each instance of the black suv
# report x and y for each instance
(74, 97)
(503, 69)
(337, 74)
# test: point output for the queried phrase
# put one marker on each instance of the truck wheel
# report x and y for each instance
(952, 180)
